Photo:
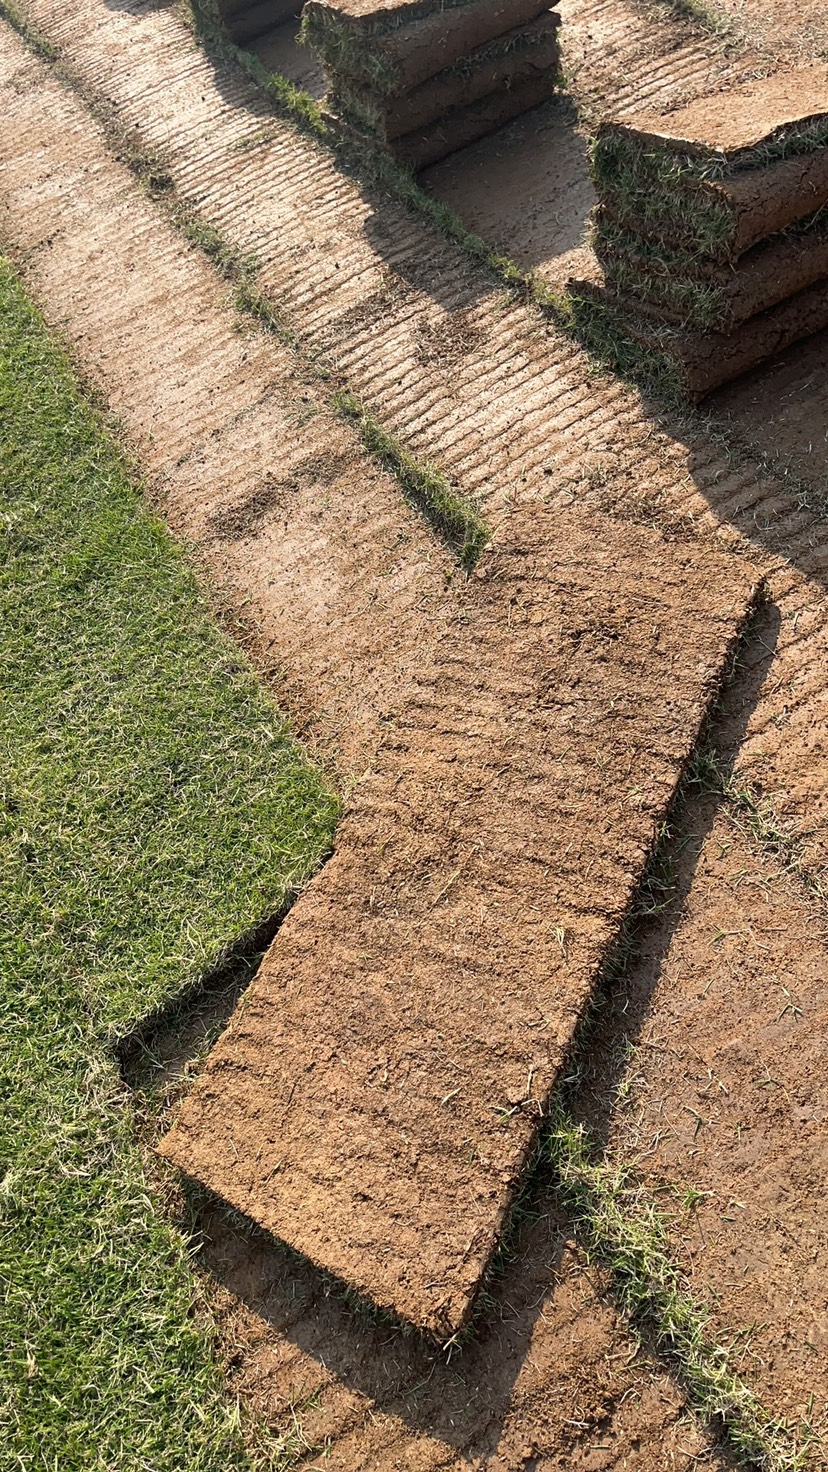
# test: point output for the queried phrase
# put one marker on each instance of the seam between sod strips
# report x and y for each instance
(454, 516)
(235, 269)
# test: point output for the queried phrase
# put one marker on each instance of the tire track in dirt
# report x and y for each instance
(201, 404)
(680, 481)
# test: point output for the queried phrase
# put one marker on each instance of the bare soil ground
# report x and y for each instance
(203, 405)
(779, 27)
(512, 410)
(727, 1021)
(551, 1381)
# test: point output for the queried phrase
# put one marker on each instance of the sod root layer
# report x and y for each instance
(199, 402)
(434, 366)
(375, 1099)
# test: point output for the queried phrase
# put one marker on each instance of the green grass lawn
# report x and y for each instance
(153, 808)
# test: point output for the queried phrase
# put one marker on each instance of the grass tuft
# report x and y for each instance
(623, 1231)
(426, 486)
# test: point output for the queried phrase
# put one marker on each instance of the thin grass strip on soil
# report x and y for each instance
(154, 809)
(621, 1228)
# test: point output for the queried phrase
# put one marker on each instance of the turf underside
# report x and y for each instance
(153, 808)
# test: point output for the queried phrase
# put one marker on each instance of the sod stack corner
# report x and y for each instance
(419, 79)
(711, 229)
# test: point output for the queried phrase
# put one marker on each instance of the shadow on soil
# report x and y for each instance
(526, 190)
(308, 1328)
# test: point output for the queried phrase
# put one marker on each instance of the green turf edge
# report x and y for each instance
(424, 484)
(152, 808)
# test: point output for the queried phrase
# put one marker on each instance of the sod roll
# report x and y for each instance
(692, 290)
(393, 49)
(698, 361)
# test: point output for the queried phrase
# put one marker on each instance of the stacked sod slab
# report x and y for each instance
(711, 231)
(421, 78)
(247, 20)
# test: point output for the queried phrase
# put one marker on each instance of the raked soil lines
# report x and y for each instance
(146, 318)
(482, 869)
(507, 406)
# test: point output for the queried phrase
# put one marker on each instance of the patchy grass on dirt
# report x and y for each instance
(153, 809)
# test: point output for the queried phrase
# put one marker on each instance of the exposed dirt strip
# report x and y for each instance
(203, 406)
(549, 1385)
(726, 1107)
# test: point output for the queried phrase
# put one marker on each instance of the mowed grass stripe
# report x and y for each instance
(153, 808)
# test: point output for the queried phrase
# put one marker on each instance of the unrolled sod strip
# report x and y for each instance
(520, 56)
(723, 172)
(701, 361)
(396, 50)
(689, 290)
(378, 1090)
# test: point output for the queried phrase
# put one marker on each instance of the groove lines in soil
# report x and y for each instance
(445, 729)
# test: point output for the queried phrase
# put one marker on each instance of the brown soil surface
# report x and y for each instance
(782, 410)
(506, 405)
(525, 53)
(759, 202)
(375, 1098)
(709, 1074)
(323, 548)
(706, 360)
(550, 1383)
(770, 273)
(426, 46)
(368, 16)
(795, 29)
(748, 116)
